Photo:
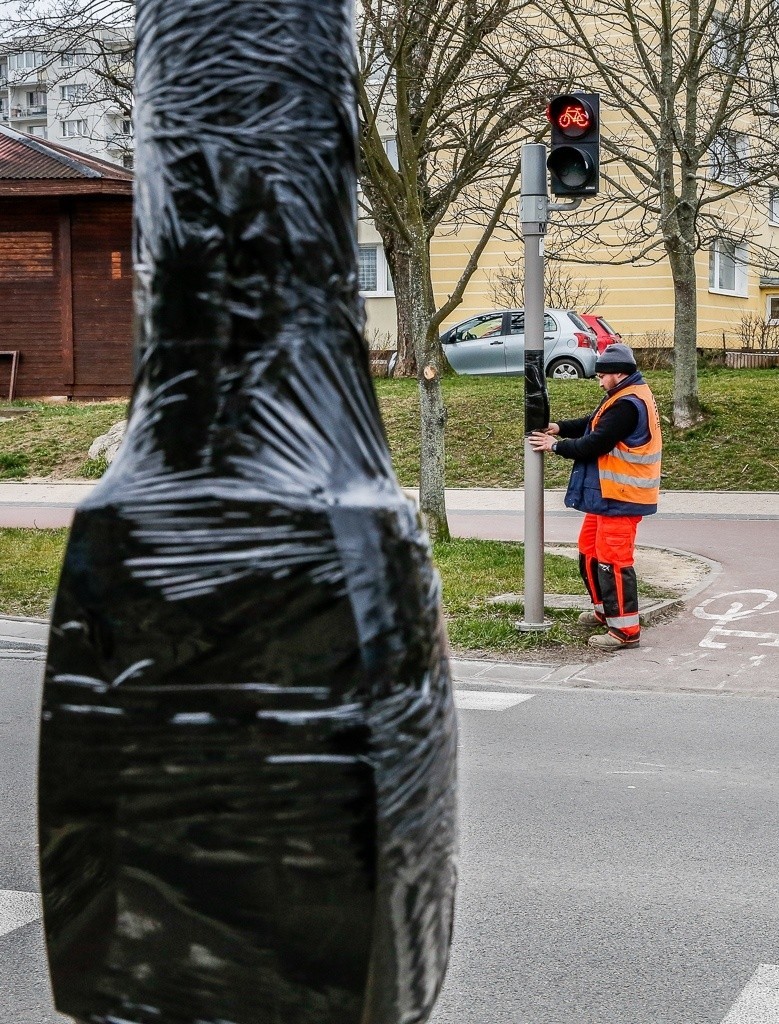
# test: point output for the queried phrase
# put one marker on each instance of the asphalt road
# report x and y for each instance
(619, 857)
(619, 860)
(619, 851)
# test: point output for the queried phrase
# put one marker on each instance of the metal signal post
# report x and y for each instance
(574, 165)
(534, 218)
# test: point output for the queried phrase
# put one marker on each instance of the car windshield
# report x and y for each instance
(606, 325)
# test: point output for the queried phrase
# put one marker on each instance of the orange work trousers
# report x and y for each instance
(606, 550)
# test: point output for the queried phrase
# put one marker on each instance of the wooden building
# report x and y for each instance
(65, 271)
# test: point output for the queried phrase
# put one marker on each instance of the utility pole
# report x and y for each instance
(534, 218)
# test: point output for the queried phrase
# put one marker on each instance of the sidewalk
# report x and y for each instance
(694, 504)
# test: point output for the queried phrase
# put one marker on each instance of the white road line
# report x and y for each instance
(18, 909)
(488, 700)
(759, 1002)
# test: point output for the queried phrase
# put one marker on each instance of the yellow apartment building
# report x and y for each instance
(638, 300)
(735, 282)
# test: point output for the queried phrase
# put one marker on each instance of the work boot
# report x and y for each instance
(591, 619)
(611, 642)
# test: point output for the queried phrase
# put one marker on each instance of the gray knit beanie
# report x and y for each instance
(616, 359)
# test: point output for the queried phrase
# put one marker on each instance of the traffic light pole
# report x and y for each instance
(534, 218)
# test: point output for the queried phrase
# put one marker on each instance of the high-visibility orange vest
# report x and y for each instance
(632, 473)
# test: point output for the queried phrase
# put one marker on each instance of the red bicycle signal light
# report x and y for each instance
(574, 156)
(571, 116)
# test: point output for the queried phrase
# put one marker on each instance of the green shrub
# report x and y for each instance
(13, 465)
(93, 469)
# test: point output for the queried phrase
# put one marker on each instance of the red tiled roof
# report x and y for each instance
(23, 158)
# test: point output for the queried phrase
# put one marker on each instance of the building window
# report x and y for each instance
(773, 206)
(727, 35)
(391, 149)
(23, 61)
(74, 129)
(728, 158)
(38, 130)
(127, 161)
(74, 93)
(73, 59)
(728, 268)
(772, 310)
(375, 277)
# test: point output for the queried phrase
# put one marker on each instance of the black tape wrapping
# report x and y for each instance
(536, 394)
(247, 769)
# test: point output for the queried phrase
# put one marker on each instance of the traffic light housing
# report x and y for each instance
(574, 156)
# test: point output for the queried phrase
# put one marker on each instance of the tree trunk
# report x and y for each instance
(419, 312)
(400, 265)
(686, 406)
(432, 469)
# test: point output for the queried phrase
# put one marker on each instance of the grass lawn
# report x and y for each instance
(30, 561)
(733, 449)
(53, 440)
(472, 571)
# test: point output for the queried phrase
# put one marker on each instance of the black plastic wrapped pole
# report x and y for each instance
(248, 736)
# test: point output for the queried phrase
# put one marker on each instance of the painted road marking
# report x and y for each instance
(486, 700)
(18, 909)
(759, 1002)
(737, 611)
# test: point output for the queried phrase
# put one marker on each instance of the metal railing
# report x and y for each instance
(23, 112)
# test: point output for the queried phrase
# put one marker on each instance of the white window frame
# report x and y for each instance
(773, 206)
(772, 301)
(728, 156)
(73, 58)
(385, 288)
(80, 128)
(722, 30)
(740, 259)
(74, 92)
(26, 60)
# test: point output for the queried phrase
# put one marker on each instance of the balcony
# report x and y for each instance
(27, 76)
(22, 113)
(119, 140)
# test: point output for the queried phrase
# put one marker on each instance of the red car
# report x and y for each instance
(604, 332)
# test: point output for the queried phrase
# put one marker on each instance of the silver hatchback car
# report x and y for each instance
(494, 343)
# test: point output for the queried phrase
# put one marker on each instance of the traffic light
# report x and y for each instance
(574, 157)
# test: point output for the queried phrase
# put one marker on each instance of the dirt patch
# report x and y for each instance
(669, 571)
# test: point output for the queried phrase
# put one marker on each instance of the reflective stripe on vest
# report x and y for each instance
(632, 473)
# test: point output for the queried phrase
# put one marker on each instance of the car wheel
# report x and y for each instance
(565, 369)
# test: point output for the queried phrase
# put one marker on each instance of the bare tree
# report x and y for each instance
(690, 139)
(455, 86)
(96, 37)
(561, 289)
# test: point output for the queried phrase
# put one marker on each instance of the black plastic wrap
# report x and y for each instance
(536, 394)
(247, 774)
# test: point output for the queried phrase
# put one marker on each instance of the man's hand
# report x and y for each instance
(542, 440)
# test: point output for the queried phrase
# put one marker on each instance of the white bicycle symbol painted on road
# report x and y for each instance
(735, 611)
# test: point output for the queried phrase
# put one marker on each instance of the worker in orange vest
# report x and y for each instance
(615, 481)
